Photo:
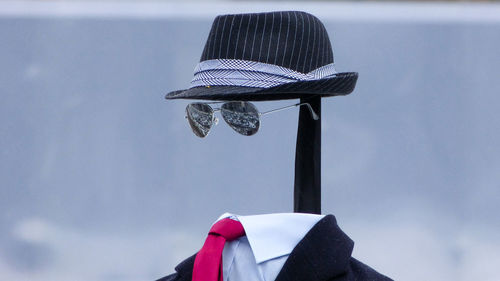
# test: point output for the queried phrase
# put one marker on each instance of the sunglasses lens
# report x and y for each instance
(243, 117)
(200, 117)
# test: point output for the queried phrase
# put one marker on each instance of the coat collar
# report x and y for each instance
(322, 254)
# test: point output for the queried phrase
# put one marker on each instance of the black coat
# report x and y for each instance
(323, 254)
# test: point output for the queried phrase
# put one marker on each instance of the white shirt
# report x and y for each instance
(260, 255)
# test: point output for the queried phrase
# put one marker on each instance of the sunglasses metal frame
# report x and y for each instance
(216, 120)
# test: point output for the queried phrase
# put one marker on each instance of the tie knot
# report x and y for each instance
(228, 228)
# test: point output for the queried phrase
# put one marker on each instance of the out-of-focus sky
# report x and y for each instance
(102, 179)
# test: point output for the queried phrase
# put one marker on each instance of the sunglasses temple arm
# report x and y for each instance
(313, 114)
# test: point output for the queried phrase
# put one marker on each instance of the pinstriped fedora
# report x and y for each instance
(267, 56)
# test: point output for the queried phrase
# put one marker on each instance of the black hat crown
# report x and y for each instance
(292, 39)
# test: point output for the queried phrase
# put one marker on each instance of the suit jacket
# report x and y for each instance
(323, 254)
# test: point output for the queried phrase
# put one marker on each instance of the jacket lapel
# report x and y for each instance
(322, 254)
(185, 269)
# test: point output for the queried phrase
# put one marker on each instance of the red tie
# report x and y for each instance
(208, 261)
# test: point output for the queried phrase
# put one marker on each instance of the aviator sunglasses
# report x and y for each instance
(242, 116)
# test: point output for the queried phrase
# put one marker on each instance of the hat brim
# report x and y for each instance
(342, 84)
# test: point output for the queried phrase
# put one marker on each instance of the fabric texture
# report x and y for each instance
(324, 254)
(290, 39)
(229, 72)
(208, 262)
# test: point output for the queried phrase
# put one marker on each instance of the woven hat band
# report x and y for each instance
(231, 72)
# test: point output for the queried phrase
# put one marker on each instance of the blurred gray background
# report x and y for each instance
(102, 179)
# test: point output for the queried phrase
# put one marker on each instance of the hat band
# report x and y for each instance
(231, 72)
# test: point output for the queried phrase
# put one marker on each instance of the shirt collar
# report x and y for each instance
(275, 235)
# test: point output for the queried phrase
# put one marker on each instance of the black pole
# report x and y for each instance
(307, 190)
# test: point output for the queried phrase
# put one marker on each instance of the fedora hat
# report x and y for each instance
(267, 56)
